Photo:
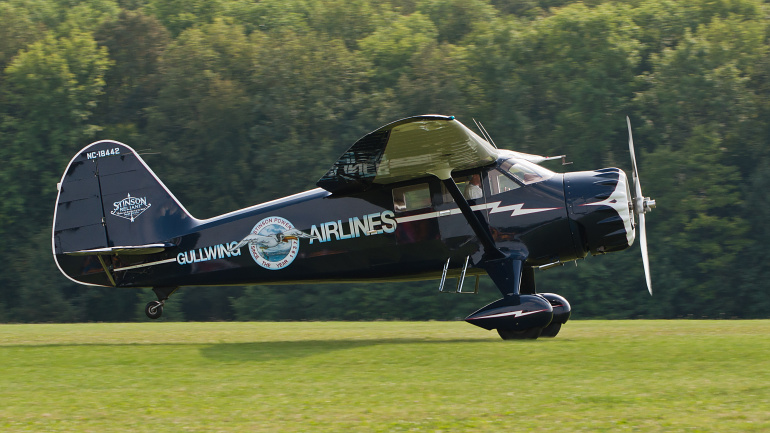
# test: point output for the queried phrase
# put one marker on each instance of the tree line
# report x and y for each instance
(235, 102)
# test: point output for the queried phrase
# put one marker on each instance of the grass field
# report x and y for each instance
(699, 376)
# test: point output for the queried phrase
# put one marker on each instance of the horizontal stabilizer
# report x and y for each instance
(131, 250)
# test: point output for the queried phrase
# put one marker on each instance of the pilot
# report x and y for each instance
(398, 204)
(473, 188)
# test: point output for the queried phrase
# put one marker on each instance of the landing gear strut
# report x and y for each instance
(154, 309)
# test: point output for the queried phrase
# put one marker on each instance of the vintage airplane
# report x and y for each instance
(420, 198)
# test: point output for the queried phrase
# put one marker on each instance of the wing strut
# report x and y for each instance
(504, 269)
(479, 225)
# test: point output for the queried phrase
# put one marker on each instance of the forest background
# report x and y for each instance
(235, 102)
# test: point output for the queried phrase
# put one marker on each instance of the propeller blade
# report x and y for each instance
(645, 257)
(631, 148)
(640, 208)
(635, 173)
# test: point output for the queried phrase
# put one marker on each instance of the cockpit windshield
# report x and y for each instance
(525, 171)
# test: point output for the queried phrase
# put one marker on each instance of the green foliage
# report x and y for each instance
(222, 91)
(178, 15)
(377, 301)
(50, 93)
(455, 19)
(17, 30)
(135, 42)
(391, 48)
(574, 74)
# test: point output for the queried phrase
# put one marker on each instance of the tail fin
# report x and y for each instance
(110, 202)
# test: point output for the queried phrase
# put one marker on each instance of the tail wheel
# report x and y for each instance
(154, 309)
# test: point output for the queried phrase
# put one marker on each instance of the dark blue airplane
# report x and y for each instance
(420, 198)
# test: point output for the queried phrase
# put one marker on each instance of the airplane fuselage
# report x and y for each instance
(357, 237)
(419, 198)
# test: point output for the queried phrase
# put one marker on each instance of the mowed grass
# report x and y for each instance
(707, 376)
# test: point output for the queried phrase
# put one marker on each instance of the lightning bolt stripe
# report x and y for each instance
(516, 209)
(494, 207)
(517, 313)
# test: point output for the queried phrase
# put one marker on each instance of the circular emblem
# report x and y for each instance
(275, 244)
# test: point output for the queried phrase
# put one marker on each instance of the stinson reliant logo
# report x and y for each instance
(130, 207)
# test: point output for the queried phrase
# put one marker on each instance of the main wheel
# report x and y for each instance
(551, 330)
(153, 309)
(528, 334)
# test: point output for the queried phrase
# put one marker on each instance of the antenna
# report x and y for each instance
(490, 137)
(147, 151)
(484, 133)
(478, 127)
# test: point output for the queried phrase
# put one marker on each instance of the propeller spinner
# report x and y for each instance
(641, 205)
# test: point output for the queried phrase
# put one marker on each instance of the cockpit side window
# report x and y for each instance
(513, 173)
(501, 183)
(412, 197)
(524, 171)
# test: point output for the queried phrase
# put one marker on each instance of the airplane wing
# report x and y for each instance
(408, 149)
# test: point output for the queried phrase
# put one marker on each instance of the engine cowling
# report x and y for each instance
(600, 210)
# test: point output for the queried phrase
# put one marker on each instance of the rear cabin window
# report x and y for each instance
(411, 197)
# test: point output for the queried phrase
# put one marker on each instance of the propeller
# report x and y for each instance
(641, 205)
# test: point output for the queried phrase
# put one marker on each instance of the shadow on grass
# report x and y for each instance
(276, 350)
